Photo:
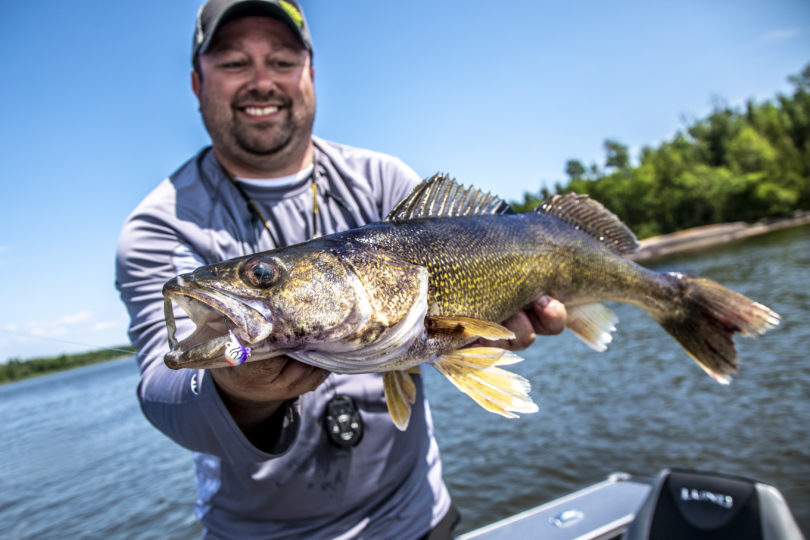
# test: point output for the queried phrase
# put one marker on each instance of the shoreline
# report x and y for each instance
(704, 237)
(16, 369)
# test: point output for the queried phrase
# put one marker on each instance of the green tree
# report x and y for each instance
(732, 165)
(618, 155)
(574, 169)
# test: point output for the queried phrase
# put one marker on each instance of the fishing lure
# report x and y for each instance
(235, 352)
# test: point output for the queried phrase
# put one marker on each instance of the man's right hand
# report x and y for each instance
(255, 390)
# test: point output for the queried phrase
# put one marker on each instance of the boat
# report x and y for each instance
(675, 504)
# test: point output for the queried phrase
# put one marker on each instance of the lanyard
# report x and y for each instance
(257, 212)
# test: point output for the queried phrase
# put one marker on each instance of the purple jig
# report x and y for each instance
(235, 353)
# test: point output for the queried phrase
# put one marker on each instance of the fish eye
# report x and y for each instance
(261, 273)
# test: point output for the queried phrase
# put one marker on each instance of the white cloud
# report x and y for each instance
(72, 332)
(779, 34)
(104, 325)
(79, 317)
(56, 329)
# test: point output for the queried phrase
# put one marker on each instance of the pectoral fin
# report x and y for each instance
(400, 394)
(474, 372)
(593, 324)
(467, 327)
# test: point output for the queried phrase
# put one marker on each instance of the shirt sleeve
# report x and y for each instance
(398, 180)
(183, 404)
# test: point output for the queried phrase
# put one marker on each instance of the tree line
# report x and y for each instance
(16, 369)
(737, 164)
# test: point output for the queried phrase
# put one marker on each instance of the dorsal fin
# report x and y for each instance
(588, 215)
(442, 196)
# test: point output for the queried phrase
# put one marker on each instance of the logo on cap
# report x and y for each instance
(293, 13)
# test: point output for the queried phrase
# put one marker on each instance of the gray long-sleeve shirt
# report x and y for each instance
(389, 485)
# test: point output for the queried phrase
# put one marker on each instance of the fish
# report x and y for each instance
(432, 280)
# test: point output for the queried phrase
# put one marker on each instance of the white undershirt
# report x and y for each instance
(281, 181)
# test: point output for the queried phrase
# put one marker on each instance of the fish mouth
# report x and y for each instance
(219, 318)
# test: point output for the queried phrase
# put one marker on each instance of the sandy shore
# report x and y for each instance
(699, 238)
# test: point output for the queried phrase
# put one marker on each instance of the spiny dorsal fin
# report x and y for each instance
(588, 215)
(442, 196)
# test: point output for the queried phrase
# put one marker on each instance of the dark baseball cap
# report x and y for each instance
(215, 13)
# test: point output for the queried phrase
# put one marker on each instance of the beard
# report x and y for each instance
(247, 141)
(263, 139)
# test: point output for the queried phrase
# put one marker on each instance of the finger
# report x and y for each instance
(252, 373)
(521, 326)
(261, 371)
(297, 378)
(253, 381)
(547, 315)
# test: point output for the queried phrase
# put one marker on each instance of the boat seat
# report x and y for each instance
(710, 506)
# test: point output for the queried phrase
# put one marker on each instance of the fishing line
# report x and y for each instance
(89, 345)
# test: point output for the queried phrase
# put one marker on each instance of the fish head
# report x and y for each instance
(317, 296)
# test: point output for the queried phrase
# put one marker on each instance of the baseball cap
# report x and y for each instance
(214, 13)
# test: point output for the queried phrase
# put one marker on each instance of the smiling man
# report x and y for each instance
(257, 97)
(282, 449)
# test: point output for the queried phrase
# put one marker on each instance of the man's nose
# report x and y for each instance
(263, 79)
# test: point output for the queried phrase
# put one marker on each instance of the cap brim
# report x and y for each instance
(250, 8)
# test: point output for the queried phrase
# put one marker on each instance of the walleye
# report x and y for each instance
(440, 272)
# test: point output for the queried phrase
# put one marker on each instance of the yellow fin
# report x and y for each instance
(474, 372)
(468, 327)
(400, 394)
(592, 323)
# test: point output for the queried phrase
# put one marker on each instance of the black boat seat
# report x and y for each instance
(710, 506)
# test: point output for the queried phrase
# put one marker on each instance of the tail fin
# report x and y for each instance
(707, 320)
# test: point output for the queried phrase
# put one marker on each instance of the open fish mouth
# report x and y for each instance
(221, 321)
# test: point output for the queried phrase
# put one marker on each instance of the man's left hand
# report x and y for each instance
(545, 316)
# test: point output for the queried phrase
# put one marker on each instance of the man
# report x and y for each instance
(271, 459)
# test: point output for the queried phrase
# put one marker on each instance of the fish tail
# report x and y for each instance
(705, 318)
(473, 371)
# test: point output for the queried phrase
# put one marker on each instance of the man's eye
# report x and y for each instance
(236, 64)
(284, 62)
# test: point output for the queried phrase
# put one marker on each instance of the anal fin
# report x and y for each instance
(592, 323)
(400, 394)
(474, 372)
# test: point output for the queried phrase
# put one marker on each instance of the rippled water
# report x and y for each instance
(77, 458)
(80, 461)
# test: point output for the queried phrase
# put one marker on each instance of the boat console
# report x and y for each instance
(677, 504)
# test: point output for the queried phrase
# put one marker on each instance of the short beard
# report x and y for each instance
(251, 147)
(259, 146)
(249, 144)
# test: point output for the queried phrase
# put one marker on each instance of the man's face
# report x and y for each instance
(257, 97)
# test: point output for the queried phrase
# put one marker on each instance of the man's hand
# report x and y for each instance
(255, 390)
(545, 316)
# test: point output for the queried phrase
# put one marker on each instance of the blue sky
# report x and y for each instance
(96, 109)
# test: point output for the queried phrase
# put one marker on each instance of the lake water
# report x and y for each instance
(78, 460)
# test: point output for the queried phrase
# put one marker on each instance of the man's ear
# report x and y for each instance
(195, 83)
